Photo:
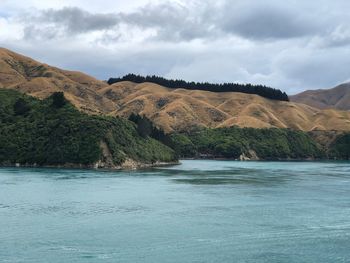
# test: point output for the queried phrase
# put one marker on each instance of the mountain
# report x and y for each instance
(336, 98)
(169, 109)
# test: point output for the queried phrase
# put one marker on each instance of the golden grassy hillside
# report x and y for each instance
(40, 80)
(171, 109)
(182, 109)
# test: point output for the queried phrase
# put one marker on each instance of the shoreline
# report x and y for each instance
(158, 164)
(268, 160)
(135, 166)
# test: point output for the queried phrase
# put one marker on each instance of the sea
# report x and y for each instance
(198, 211)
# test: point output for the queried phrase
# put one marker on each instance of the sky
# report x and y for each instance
(289, 45)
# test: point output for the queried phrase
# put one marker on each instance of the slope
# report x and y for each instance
(53, 132)
(40, 80)
(336, 98)
(180, 109)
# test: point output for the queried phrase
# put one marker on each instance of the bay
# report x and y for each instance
(199, 211)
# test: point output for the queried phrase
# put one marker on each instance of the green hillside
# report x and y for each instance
(264, 144)
(53, 132)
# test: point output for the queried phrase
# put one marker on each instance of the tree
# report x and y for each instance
(144, 127)
(229, 149)
(58, 99)
(261, 90)
(21, 107)
(134, 118)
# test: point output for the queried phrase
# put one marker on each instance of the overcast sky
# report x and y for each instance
(290, 45)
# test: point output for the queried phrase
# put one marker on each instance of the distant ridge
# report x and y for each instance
(261, 90)
(335, 98)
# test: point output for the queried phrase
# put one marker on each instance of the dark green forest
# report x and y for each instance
(54, 132)
(261, 90)
(340, 148)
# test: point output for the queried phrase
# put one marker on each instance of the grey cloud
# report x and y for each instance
(33, 32)
(68, 20)
(157, 15)
(265, 23)
(175, 22)
(172, 21)
(338, 37)
(77, 20)
(316, 69)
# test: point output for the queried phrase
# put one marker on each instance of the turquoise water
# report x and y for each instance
(200, 211)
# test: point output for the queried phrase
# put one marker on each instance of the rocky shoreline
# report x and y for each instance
(127, 165)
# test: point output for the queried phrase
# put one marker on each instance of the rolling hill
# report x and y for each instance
(336, 98)
(40, 80)
(182, 109)
(170, 109)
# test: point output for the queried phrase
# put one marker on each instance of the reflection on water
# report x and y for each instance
(230, 176)
(199, 211)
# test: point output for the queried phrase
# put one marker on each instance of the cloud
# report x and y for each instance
(76, 20)
(177, 22)
(169, 21)
(53, 23)
(315, 68)
(173, 21)
(338, 37)
(267, 23)
(290, 45)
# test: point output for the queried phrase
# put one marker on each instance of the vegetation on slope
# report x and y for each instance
(340, 148)
(53, 132)
(234, 141)
(267, 92)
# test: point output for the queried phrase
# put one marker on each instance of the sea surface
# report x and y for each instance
(199, 211)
